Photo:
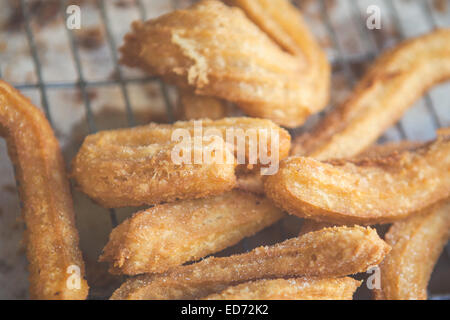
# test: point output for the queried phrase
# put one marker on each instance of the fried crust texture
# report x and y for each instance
(291, 289)
(333, 252)
(365, 191)
(417, 243)
(394, 82)
(217, 51)
(51, 235)
(165, 236)
(133, 167)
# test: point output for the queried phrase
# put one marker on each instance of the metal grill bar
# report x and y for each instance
(118, 70)
(81, 82)
(37, 64)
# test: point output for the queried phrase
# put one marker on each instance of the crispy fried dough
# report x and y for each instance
(194, 107)
(416, 244)
(132, 167)
(398, 78)
(333, 252)
(165, 236)
(217, 51)
(291, 289)
(51, 235)
(368, 191)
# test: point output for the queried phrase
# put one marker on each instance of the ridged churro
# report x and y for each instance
(333, 252)
(367, 191)
(165, 236)
(132, 167)
(416, 244)
(51, 237)
(291, 289)
(217, 51)
(397, 79)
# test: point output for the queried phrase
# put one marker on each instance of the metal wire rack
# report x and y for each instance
(340, 60)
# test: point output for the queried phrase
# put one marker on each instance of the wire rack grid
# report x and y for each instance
(339, 60)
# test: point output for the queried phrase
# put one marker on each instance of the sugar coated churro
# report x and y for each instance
(367, 191)
(332, 252)
(51, 237)
(218, 51)
(397, 79)
(165, 236)
(416, 244)
(132, 167)
(291, 289)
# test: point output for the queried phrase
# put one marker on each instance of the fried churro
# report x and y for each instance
(291, 289)
(333, 252)
(367, 191)
(165, 236)
(194, 107)
(217, 51)
(132, 167)
(51, 236)
(397, 79)
(416, 244)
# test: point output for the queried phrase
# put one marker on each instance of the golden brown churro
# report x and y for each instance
(333, 252)
(51, 236)
(416, 244)
(291, 289)
(193, 107)
(368, 191)
(216, 51)
(132, 167)
(397, 79)
(165, 236)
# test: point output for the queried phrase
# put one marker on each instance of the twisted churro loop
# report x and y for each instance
(51, 236)
(333, 252)
(217, 51)
(397, 79)
(417, 243)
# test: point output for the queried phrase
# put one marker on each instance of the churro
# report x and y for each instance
(217, 51)
(165, 236)
(416, 244)
(397, 79)
(367, 191)
(291, 289)
(132, 167)
(56, 266)
(333, 252)
(193, 107)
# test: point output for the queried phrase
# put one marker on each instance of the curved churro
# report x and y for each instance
(132, 167)
(51, 236)
(217, 51)
(291, 289)
(333, 252)
(416, 244)
(368, 191)
(160, 238)
(397, 79)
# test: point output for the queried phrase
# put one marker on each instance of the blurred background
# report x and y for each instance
(74, 77)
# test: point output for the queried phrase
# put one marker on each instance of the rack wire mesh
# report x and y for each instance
(339, 60)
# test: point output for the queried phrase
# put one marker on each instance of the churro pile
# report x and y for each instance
(246, 70)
